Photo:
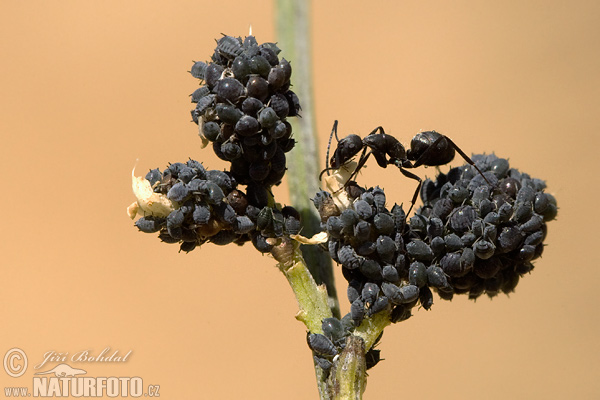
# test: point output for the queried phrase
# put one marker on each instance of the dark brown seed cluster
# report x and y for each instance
(212, 208)
(242, 107)
(473, 235)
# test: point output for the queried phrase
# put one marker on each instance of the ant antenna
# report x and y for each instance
(333, 131)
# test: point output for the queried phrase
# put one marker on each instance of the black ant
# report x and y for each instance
(426, 148)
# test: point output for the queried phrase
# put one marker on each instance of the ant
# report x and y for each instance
(426, 148)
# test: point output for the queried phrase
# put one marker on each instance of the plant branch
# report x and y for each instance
(292, 18)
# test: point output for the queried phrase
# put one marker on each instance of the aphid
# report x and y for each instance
(259, 170)
(442, 208)
(228, 113)
(265, 218)
(453, 242)
(369, 293)
(527, 252)
(280, 105)
(243, 224)
(509, 239)
(292, 225)
(223, 237)
(366, 249)
(349, 258)
(484, 249)
(229, 46)
(150, 224)
(533, 224)
(201, 215)
(436, 277)
(461, 218)
(400, 313)
(198, 69)
(212, 74)
(214, 194)
(438, 246)
(260, 243)
(204, 104)
(378, 305)
(426, 297)
(221, 178)
(175, 219)
(332, 328)
(320, 344)
(468, 239)
(257, 87)
(259, 65)
(419, 250)
(372, 358)
(325, 205)
(363, 209)
(229, 90)
(384, 223)
(225, 213)
(187, 246)
(353, 291)
(371, 269)
(392, 292)
(386, 248)
(165, 237)
(294, 103)
(211, 130)
(417, 274)
(357, 311)
(276, 79)
(390, 273)
(451, 264)
(178, 192)
(200, 93)
(488, 268)
(435, 227)
(247, 126)
(334, 226)
(362, 231)
(323, 363)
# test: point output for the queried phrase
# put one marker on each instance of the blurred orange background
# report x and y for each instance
(89, 87)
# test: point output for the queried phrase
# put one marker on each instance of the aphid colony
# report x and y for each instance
(467, 238)
(209, 207)
(242, 108)
(475, 234)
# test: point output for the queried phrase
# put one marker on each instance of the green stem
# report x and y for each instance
(312, 301)
(349, 377)
(292, 20)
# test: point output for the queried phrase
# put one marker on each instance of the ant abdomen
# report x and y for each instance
(419, 151)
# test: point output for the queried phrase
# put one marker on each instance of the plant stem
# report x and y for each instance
(312, 301)
(292, 19)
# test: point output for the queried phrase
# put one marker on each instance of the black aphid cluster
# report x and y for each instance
(211, 208)
(483, 235)
(369, 241)
(333, 340)
(473, 235)
(242, 108)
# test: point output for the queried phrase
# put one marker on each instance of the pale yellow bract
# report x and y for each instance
(148, 202)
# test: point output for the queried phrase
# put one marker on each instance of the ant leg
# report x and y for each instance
(421, 158)
(415, 177)
(361, 162)
(467, 159)
(333, 131)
